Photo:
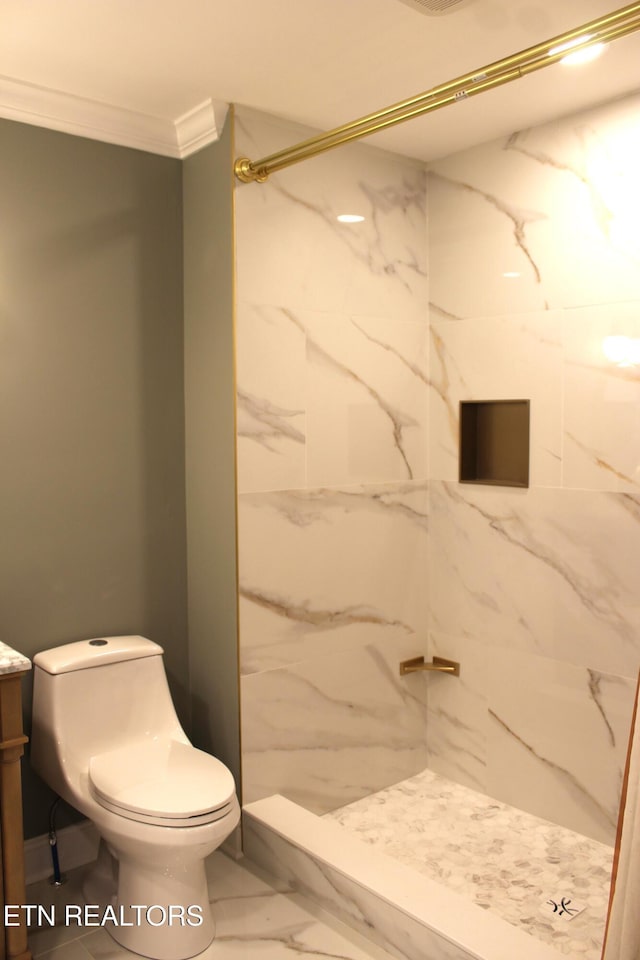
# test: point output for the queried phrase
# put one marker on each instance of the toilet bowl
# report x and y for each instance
(106, 739)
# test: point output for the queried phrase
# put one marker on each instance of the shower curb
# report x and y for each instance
(408, 915)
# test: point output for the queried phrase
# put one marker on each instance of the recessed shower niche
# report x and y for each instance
(494, 442)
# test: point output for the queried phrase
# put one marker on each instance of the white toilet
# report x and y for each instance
(106, 738)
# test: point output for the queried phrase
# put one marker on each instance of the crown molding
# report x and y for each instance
(200, 126)
(82, 117)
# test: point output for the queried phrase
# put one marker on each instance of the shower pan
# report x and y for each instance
(428, 868)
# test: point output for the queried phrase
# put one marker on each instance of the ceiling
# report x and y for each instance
(320, 62)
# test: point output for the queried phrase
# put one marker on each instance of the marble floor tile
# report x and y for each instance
(255, 914)
(74, 950)
(44, 939)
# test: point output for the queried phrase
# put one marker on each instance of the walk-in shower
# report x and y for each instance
(499, 275)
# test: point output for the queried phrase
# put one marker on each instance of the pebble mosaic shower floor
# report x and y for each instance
(532, 873)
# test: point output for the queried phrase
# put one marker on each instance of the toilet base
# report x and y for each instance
(162, 915)
(100, 884)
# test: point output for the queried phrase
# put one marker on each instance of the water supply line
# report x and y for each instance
(618, 23)
(57, 879)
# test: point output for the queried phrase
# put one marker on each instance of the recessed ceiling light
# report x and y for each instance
(579, 56)
(570, 44)
(350, 218)
(624, 351)
(585, 55)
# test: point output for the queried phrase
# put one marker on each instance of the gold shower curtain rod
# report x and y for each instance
(617, 24)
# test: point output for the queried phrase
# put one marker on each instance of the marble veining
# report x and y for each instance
(565, 199)
(551, 543)
(398, 420)
(510, 526)
(332, 374)
(600, 462)
(380, 201)
(311, 583)
(317, 618)
(330, 728)
(601, 449)
(376, 267)
(497, 357)
(348, 388)
(255, 915)
(442, 386)
(631, 505)
(437, 311)
(506, 861)
(596, 680)
(265, 421)
(572, 783)
(11, 661)
(542, 735)
(410, 364)
(602, 213)
(518, 218)
(303, 508)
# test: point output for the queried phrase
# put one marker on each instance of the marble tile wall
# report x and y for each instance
(536, 591)
(332, 389)
(533, 590)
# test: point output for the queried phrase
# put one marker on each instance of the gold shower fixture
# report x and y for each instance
(437, 665)
(616, 24)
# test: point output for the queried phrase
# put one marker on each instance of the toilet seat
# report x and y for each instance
(162, 782)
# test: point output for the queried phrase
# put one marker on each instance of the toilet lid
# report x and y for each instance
(161, 779)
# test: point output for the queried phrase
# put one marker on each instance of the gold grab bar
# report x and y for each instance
(610, 27)
(438, 664)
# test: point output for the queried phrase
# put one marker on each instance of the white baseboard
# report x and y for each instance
(77, 845)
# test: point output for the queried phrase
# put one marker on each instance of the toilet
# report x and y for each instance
(106, 738)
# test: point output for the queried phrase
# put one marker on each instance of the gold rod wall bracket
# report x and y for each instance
(248, 172)
(437, 665)
(612, 26)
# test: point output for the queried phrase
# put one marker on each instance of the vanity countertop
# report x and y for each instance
(11, 661)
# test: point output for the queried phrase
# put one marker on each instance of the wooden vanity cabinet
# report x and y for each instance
(13, 943)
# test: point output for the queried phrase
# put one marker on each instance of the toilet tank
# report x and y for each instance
(93, 696)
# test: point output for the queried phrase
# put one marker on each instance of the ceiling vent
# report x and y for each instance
(437, 7)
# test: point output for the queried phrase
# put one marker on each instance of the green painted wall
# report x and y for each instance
(92, 483)
(210, 449)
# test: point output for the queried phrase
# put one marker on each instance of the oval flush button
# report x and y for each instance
(98, 643)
